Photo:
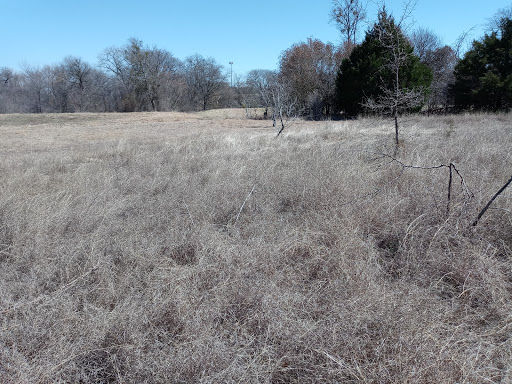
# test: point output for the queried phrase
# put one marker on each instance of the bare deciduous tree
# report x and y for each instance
(9, 91)
(424, 41)
(276, 96)
(140, 71)
(494, 23)
(204, 79)
(283, 102)
(5, 74)
(348, 16)
(261, 81)
(36, 87)
(396, 97)
(246, 94)
(441, 60)
(79, 76)
(59, 89)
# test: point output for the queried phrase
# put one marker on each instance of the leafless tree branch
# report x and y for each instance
(348, 15)
(482, 212)
(451, 168)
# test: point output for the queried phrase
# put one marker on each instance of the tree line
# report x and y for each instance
(133, 77)
(388, 72)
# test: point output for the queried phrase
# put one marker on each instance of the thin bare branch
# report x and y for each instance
(490, 202)
(451, 167)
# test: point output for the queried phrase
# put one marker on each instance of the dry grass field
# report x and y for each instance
(199, 248)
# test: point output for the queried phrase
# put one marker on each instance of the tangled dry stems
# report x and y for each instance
(234, 257)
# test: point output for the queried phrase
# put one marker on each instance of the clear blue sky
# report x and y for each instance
(252, 34)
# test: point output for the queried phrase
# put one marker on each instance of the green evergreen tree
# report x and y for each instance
(384, 63)
(483, 78)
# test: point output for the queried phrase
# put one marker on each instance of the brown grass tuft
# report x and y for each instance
(198, 248)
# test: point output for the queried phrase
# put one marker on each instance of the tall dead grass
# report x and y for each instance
(210, 256)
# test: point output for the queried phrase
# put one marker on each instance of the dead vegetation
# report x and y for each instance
(169, 248)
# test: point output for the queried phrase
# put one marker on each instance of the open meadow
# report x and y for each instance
(200, 248)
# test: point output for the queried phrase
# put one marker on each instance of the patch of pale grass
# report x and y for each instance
(200, 248)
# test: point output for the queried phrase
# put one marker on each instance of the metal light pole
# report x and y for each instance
(231, 63)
